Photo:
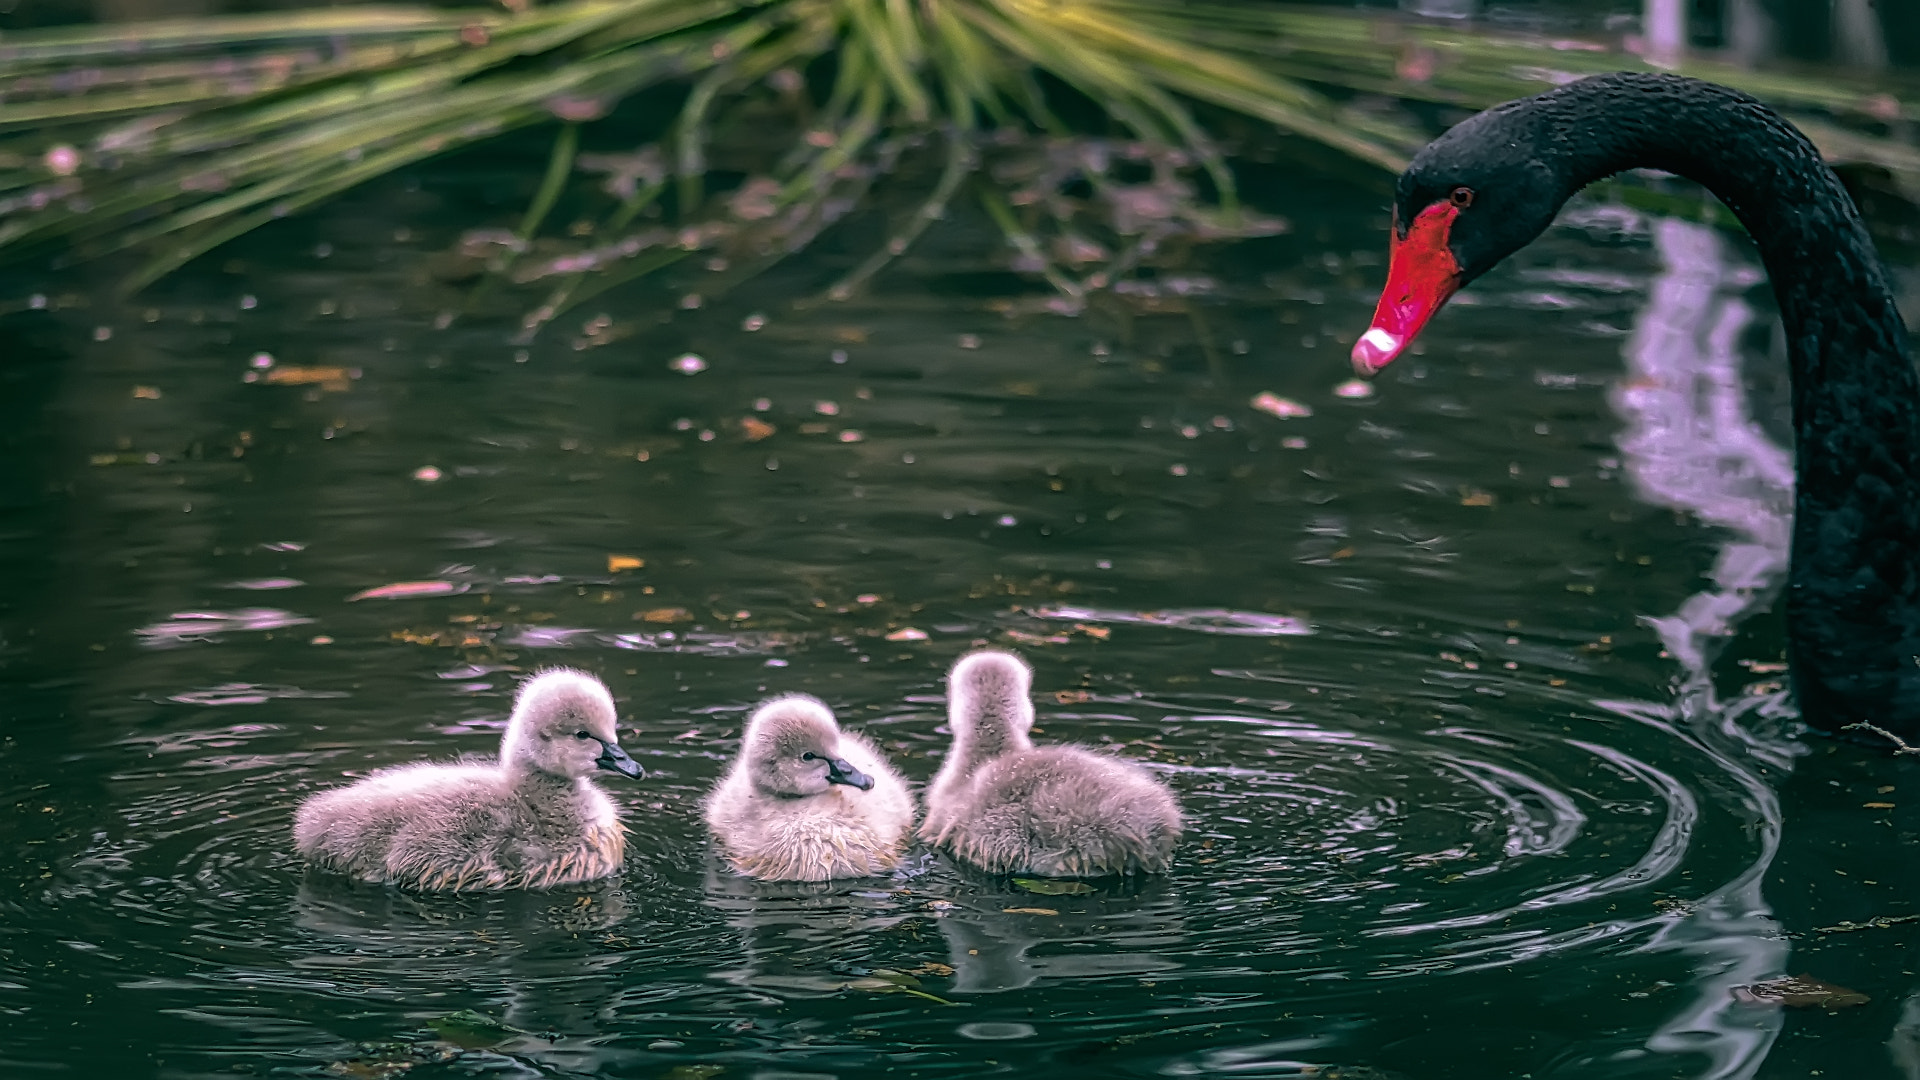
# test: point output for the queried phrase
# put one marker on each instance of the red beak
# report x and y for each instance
(1421, 275)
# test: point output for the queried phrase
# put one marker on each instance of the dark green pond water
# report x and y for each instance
(1469, 687)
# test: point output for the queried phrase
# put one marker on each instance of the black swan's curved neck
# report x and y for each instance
(1854, 583)
(1843, 329)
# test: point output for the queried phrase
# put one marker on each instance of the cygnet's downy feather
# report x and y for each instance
(1008, 807)
(805, 801)
(532, 821)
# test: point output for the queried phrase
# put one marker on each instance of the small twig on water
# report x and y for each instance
(1900, 745)
(1875, 923)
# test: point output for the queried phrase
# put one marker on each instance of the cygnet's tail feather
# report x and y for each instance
(473, 874)
(1063, 812)
(1117, 852)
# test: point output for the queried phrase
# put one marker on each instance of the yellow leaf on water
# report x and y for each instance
(151, 393)
(1029, 911)
(617, 563)
(334, 379)
(1799, 991)
(664, 615)
(1053, 886)
(1025, 638)
(755, 428)
(1477, 498)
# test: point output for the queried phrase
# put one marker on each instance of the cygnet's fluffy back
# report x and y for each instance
(531, 820)
(1008, 807)
(805, 801)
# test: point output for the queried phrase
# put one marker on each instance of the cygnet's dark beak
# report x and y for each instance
(841, 771)
(614, 759)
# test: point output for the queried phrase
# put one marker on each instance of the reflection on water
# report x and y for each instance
(1691, 444)
(1445, 790)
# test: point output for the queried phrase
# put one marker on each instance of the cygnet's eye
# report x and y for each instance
(582, 735)
(809, 756)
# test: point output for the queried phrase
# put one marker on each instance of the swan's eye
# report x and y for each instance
(809, 756)
(581, 735)
(1461, 197)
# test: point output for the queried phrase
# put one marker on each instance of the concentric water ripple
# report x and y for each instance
(1352, 822)
(1427, 669)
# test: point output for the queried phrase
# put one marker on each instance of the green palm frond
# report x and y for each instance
(172, 137)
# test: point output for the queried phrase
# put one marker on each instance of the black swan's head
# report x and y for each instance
(1472, 197)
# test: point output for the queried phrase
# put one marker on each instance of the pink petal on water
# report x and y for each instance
(407, 590)
(260, 584)
(1285, 408)
(62, 160)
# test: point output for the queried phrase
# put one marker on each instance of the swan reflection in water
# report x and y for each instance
(808, 938)
(523, 951)
(1691, 444)
(1124, 928)
(813, 939)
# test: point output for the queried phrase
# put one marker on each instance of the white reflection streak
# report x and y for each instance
(1527, 832)
(1691, 444)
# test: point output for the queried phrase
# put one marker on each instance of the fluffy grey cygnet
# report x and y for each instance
(1009, 807)
(805, 801)
(532, 821)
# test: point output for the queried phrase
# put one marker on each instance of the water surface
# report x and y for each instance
(1470, 686)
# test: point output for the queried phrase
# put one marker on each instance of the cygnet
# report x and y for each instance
(534, 820)
(1008, 807)
(805, 801)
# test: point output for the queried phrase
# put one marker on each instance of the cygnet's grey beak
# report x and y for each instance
(614, 759)
(841, 771)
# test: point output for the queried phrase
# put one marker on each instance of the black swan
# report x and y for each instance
(1490, 185)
